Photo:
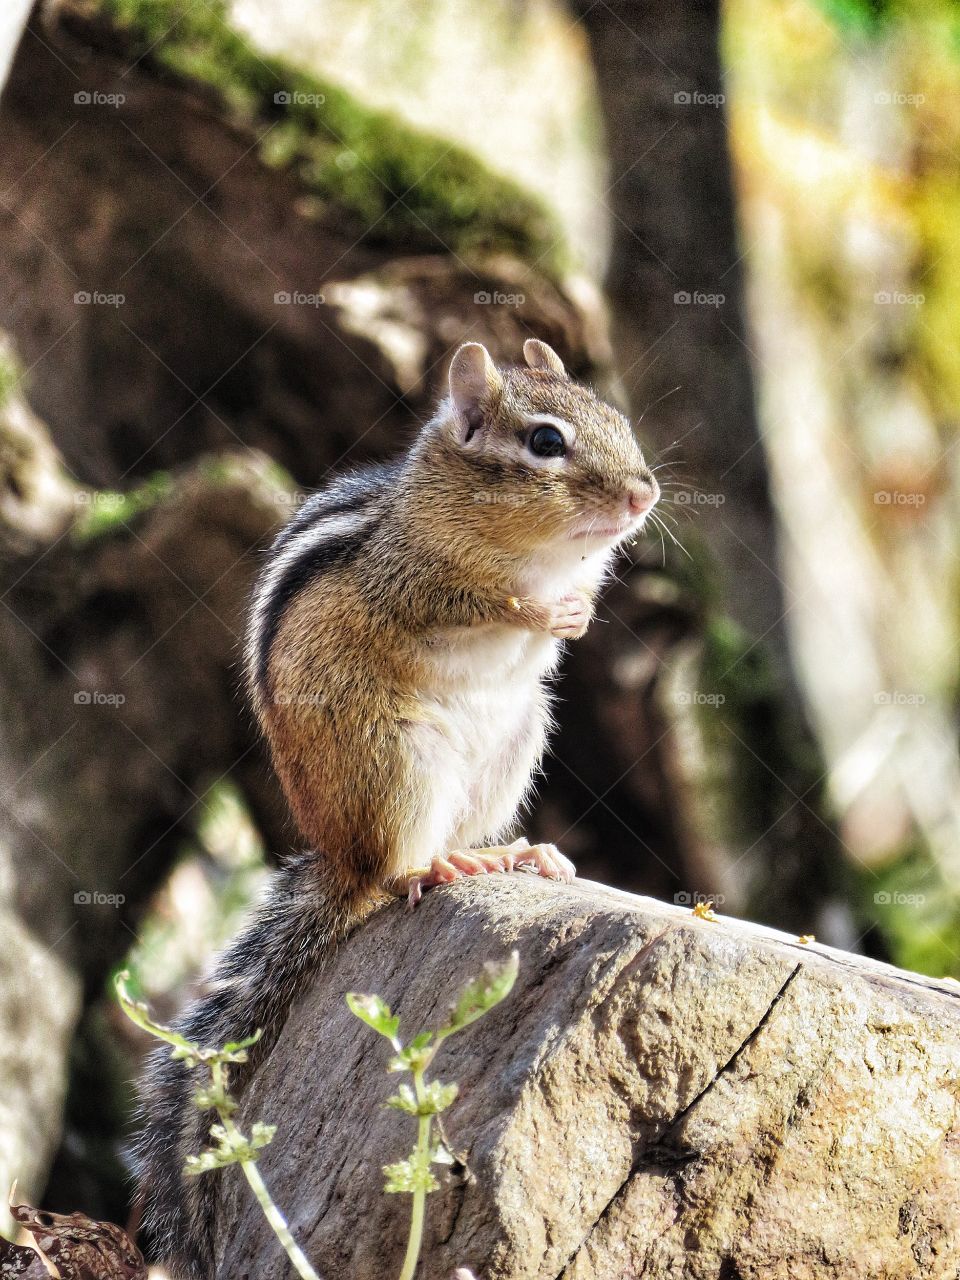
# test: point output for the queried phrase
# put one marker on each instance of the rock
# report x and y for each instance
(659, 1096)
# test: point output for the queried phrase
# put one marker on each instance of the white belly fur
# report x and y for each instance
(487, 711)
(488, 707)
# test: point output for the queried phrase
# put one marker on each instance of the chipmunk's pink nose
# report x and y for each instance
(642, 495)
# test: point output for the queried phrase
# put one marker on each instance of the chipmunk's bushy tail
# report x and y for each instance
(307, 912)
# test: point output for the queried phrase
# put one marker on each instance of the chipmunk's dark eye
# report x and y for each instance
(547, 442)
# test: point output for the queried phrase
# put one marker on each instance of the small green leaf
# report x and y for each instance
(437, 1097)
(375, 1013)
(399, 1177)
(404, 1100)
(479, 997)
(229, 1147)
(138, 1013)
(211, 1097)
(236, 1046)
(182, 1049)
(261, 1134)
(412, 1174)
(411, 1059)
(194, 1055)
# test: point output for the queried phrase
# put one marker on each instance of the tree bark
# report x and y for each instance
(39, 1006)
(165, 201)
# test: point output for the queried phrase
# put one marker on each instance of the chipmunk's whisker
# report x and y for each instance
(658, 401)
(665, 450)
(664, 514)
(663, 545)
(670, 534)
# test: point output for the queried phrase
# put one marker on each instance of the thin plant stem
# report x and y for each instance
(277, 1221)
(414, 1175)
(418, 1208)
(270, 1211)
(138, 1013)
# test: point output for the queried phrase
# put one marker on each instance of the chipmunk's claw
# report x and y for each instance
(541, 859)
(547, 860)
(570, 616)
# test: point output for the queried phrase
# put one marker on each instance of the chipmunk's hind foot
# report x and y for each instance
(542, 859)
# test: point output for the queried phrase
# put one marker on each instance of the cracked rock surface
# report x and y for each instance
(660, 1096)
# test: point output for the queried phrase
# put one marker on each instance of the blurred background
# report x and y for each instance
(239, 244)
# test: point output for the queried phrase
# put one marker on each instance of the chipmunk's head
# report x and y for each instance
(556, 462)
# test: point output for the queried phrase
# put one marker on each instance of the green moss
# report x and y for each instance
(223, 469)
(736, 667)
(695, 573)
(278, 476)
(765, 779)
(388, 181)
(107, 510)
(757, 754)
(738, 702)
(10, 375)
(736, 677)
(876, 19)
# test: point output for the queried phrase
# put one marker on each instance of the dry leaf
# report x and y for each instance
(17, 1262)
(79, 1247)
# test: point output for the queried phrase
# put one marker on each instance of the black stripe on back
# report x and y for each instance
(312, 512)
(348, 493)
(298, 575)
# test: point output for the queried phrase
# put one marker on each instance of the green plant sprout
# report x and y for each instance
(424, 1099)
(230, 1145)
(427, 1099)
(109, 510)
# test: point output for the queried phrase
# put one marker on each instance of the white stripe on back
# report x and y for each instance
(325, 530)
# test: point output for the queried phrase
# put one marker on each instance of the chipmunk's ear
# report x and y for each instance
(539, 356)
(474, 382)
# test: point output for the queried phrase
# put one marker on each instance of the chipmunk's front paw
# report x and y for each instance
(570, 615)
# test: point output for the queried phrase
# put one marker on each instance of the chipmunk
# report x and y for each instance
(399, 641)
